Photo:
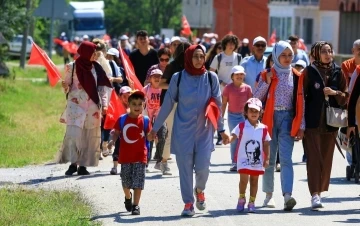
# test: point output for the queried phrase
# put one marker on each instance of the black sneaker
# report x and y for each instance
(135, 210)
(219, 142)
(128, 203)
(72, 169)
(82, 171)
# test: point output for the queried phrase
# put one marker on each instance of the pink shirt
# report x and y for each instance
(152, 96)
(237, 97)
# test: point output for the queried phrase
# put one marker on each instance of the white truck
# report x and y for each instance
(89, 19)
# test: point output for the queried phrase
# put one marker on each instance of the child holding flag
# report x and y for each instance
(132, 128)
(153, 92)
(252, 151)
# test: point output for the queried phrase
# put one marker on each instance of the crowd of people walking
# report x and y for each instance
(269, 103)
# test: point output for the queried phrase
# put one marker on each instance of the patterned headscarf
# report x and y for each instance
(316, 54)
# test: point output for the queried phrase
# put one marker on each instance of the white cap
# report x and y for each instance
(125, 89)
(85, 36)
(301, 63)
(114, 52)
(206, 35)
(124, 37)
(213, 41)
(167, 40)
(151, 38)
(238, 70)
(63, 33)
(254, 103)
(203, 47)
(76, 39)
(175, 38)
(156, 72)
(259, 39)
(245, 40)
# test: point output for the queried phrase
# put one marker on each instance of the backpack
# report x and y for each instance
(178, 83)
(219, 58)
(241, 127)
(146, 126)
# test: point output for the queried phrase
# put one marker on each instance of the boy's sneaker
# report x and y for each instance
(241, 205)
(128, 203)
(278, 167)
(72, 169)
(233, 167)
(269, 202)
(113, 171)
(316, 202)
(200, 200)
(104, 149)
(82, 171)
(251, 207)
(290, 202)
(165, 169)
(188, 210)
(135, 210)
(157, 166)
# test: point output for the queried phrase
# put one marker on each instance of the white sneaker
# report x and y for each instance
(289, 203)
(165, 168)
(316, 202)
(269, 202)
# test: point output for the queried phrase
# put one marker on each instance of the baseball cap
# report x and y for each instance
(114, 52)
(124, 37)
(125, 89)
(301, 63)
(156, 72)
(259, 39)
(151, 38)
(238, 70)
(213, 41)
(175, 38)
(245, 41)
(167, 40)
(254, 103)
(85, 37)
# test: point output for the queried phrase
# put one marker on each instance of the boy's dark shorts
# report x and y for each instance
(133, 175)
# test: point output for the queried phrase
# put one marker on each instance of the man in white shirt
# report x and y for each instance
(225, 61)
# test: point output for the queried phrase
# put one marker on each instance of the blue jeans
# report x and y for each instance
(283, 142)
(233, 121)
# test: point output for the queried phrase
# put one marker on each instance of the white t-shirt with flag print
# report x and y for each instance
(249, 149)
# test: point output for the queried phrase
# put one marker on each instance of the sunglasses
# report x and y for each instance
(260, 45)
(164, 60)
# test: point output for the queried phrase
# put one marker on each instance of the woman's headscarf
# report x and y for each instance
(189, 67)
(83, 67)
(278, 49)
(316, 54)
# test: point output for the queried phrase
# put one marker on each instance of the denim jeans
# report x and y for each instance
(284, 143)
(233, 121)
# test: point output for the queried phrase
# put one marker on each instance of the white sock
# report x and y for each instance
(287, 196)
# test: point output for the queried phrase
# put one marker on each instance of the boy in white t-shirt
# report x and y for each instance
(152, 107)
(252, 151)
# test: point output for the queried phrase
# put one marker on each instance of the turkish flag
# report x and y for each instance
(70, 47)
(186, 27)
(114, 111)
(58, 41)
(106, 38)
(39, 57)
(212, 112)
(272, 40)
(134, 82)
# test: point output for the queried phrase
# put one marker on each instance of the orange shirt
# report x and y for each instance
(348, 67)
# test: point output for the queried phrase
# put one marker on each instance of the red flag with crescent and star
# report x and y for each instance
(186, 31)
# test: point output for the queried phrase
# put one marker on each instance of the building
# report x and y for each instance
(244, 18)
(315, 20)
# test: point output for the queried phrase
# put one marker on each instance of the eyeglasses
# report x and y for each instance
(199, 57)
(260, 45)
(164, 59)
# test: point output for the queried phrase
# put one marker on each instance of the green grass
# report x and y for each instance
(33, 208)
(29, 120)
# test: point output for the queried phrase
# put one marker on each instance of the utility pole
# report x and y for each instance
(52, 18)
(23, 53)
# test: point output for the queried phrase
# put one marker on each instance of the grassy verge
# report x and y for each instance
(29, 207)
(29, 120)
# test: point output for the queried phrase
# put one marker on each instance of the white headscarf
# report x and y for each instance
(277, 50)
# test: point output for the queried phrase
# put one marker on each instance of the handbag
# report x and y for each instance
(335, 117)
